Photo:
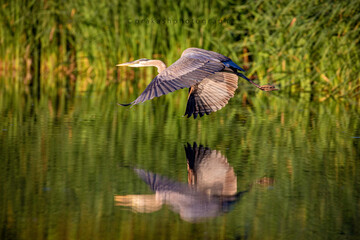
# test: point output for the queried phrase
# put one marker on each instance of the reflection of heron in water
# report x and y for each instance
(211, 188)
(211, 78)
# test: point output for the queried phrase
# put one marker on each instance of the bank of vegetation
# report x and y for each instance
(301, 46)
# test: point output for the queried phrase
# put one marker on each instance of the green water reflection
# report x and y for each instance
(211, 189)
(64, 158)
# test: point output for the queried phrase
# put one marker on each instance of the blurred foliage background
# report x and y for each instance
(301, 46)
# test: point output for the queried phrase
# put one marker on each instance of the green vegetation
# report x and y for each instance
(301, 46)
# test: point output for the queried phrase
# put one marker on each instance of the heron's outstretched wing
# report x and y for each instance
(210, 172)
(157, 182)
(193, 66)
(211, 94)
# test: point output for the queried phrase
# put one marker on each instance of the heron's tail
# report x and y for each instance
(247, 79)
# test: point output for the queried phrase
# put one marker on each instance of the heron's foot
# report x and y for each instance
(268, 88)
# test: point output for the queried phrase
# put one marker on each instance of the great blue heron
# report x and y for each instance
(211, 189)
(211, 77)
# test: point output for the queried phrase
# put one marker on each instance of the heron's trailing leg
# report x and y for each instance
(250, 81)
(266, 88)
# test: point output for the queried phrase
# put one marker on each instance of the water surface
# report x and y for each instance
(294, 166)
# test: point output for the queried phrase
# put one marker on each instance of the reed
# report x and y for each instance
(302, 46)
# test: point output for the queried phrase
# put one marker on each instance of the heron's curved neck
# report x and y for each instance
(161, 66)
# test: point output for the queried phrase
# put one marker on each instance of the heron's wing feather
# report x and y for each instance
(157, 182)
(213, 56)
(184, 73)
(211, 171)
(211, 94)
(203, 54)
(195, 154)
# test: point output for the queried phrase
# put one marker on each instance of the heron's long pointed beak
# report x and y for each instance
(130, 64)
(125, 64)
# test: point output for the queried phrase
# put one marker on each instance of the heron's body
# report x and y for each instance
(211, 77)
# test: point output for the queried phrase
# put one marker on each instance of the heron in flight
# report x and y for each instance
(211, 77)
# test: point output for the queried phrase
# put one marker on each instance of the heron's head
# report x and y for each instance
(143, 62)
(268, 88)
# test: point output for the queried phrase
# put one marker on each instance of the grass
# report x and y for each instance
(301, 46)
